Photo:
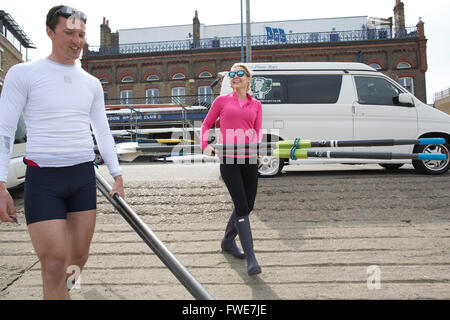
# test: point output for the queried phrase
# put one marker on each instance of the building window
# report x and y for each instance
(152, 77)
(376, 66)
(407, 83)
(205, 95)
(152, 96)
(105, 96)
(126, 97)
(403, 65)
(178, 75)
(205, 74)
(104, 81)
(178, 95)
(127, 79)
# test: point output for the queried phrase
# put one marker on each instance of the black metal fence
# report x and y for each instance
(259, 40)
(182, 100)
(442, 94)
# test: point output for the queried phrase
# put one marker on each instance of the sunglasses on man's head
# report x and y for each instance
(70, 12)
(239, 73)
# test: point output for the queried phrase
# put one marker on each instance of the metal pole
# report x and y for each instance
(249, 33)
(305, 154)
(358, 143)
(180, 272)
(242, 34)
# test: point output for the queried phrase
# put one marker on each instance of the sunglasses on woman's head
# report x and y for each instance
(239, 73)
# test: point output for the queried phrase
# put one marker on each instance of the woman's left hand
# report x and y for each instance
(209, 151)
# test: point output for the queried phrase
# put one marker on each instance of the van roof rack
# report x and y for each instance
(310, 66)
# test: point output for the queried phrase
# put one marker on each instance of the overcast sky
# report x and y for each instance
(30, 15)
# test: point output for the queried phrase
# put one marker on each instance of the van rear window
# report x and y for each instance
(297, 89)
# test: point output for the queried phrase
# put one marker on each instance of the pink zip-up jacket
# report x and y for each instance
(237, 124)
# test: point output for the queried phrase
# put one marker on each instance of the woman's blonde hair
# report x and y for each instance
(243, 66)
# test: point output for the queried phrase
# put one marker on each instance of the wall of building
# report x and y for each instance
(9, 57)
(443, 104)
(388, 55)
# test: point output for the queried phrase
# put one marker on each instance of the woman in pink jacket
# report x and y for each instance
(240, 122)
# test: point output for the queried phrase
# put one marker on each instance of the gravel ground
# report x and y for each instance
(320, 232)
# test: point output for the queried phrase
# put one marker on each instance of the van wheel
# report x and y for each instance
(391, 166)
(269, 166)
(432, 166)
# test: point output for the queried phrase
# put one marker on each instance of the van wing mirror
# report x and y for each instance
(220, 76)
(405, 99)
(214, 83)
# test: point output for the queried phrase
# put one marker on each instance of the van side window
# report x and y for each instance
(296, 89)
(378, 91)
(21, 131)
(269, 89)
(314, 89)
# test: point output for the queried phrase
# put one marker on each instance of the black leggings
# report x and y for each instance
(242, 183)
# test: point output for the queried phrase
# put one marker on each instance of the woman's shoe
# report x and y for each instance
(228, 243)
(245, 235)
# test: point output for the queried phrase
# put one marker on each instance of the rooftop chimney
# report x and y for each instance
(399, 15)
(196, 30)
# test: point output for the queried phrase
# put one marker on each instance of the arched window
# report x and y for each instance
(376, 66)
(205, 74)
(178, 75)
(403, 65)
(152, 77)
(104, 81)
(127, 79)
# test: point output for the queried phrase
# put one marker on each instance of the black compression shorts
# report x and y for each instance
(51, 193)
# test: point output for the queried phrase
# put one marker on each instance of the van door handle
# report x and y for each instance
(278, 124)
(354, 108)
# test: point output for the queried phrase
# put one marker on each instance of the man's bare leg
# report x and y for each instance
(60, 244)
(80, 230)
(50, 239)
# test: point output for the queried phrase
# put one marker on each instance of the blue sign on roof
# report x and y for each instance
(276, 34)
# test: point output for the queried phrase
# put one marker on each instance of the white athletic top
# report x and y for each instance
(60, 103)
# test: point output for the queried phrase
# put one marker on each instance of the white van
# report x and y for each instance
(343, 101)
(16, 172)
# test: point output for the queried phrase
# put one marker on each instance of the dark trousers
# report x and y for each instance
(242, 184)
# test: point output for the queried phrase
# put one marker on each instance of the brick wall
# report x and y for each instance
(10, 56)
(443, 104)
(387, 53)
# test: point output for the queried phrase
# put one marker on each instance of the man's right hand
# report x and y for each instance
(7, 208)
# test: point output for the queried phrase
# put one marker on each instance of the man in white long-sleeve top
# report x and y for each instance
(60, 103)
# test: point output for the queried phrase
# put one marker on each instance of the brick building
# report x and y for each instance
(144, 66)
(14, 43)
(442, 100)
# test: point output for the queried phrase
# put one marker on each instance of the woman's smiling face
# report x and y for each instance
(240, 83)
